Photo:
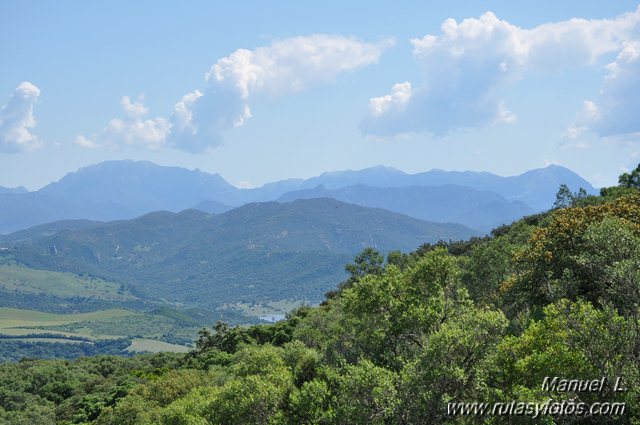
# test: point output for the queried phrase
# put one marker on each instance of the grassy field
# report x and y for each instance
(139, 345)
(22, 331)
(16, 318)
(99, 325)
(64, 285)
(51, 340)
(138, 324)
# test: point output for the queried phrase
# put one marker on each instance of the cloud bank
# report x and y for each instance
(466, 64)
(199, 118)
(17, 120)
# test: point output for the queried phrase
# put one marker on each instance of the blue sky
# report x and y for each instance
(262, 91)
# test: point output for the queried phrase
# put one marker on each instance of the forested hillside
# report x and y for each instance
(258, 252)
(483, 320)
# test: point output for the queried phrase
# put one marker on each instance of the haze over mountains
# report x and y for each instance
(126, 189)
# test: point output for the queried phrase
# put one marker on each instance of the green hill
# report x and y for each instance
(256, 253)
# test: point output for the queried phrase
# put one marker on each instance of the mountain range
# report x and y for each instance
(114, 190)
(259, 252)
(481, 210)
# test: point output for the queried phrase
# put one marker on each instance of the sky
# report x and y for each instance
(263, 91)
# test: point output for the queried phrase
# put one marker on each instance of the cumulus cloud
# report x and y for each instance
(615, 112)
(286, 66)
(17, 120)
(134, 129)
(465, 66)
(199, 118)
(85, 142)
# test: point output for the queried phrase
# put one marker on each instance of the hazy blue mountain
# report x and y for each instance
(19, 211)
(481, 210)
(378, 176)
(536, 188)
(48, 229)
(267, 192)
(261, 251)
(112, 190)
(140, 186)
(20, 189)
(126, 189)
(212, 207)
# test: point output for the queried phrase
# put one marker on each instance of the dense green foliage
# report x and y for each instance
(12, 349)
(553, 295)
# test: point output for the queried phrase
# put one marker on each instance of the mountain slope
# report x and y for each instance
(266, 251)
(481, 210)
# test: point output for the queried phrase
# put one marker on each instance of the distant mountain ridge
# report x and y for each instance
(19, 189)
(260, 251)
(481, 210)
(536, 188)
(125, 189)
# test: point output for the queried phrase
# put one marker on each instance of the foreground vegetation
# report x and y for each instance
(552, 295)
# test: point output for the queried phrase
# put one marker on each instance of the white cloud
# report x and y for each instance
(285, 66)
(588, 113)
(292, 64)
(199, 118)
(134, 129)
(398, 99)
(134, 110)
(504, 115)
(17, 120)
(465, 66)
(615, 112)
(88, 143)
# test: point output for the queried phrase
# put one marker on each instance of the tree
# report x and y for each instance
(573, 340)
(630, 180)
(386, 315)
(369, 261)
(452, 365)
(312, 404)
(225, 338)
(564, 197)
(365, 394)
(553, 264)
